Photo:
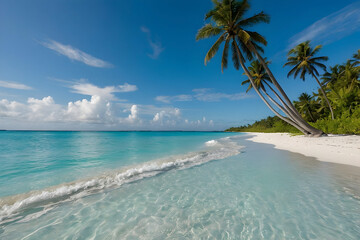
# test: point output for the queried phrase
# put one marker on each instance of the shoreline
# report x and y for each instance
(342, 149)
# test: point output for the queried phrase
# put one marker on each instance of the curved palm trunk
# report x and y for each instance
(323, 92)
(276, 104)
(247, 73)
(285, 108)
(290, 107)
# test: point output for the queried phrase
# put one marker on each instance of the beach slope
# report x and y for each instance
(343, 149)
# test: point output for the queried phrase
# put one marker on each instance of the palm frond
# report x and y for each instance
(246, 50)
(256, 37)
(235, 55)
(257, 18)
(208, 31)
(239, 9)
(243, 36)
(224, 60)
(213, 50)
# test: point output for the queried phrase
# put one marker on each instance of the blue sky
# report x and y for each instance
(122, 65)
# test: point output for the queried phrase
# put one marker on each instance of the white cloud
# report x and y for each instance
(177, 98)
(96, 112)
(75, 54)
(166, 116)
(156, 46)
(205, 94)
(133, 116)
(14, 85)
(10, 108)
(331, 28)
(202, 94)
(106, 92)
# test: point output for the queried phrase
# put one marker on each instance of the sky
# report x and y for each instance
(135, 65)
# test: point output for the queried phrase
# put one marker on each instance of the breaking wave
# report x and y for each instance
(12, 207)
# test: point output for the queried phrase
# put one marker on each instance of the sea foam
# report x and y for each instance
(12, 206)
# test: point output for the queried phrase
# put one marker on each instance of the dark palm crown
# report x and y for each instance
(227, 20)
(259, 75)
(302, 57)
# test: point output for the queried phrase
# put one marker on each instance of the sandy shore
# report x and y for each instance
(332, 148)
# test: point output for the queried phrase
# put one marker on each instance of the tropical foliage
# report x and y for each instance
(267, 125)
(342, 86)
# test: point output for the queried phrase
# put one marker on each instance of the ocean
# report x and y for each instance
(169, 185)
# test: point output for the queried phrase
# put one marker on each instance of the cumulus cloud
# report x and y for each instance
(332, 27)
(95, 112)
(133, 116)
(76, 54)
(106, 92)
(156, 46)
(14, 85)
(169, 116)
(202, 94)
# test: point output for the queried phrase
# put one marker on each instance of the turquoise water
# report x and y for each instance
(169, 185)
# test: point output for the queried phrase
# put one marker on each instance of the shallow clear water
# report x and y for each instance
(250, 192)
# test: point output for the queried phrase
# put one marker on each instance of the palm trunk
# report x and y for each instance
(276, 104)
(247, 73)
(285, 109)
(290, 107)
(323, 92)
(311, 115)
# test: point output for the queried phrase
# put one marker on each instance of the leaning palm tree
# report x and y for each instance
(262, 81)
(227, 20)
(302, 58)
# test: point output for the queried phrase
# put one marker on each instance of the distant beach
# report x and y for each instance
(343, 149)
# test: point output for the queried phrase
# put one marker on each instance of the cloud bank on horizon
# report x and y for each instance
(204, 95)
(332, 27)
(102, 108)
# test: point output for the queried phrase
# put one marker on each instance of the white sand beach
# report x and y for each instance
(344, 149)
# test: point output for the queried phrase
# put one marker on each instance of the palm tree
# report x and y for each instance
(330, 78)
(227, 20)
(302, 57)
(306, 106)
(262, 80)
(259, 76)
(351, 74)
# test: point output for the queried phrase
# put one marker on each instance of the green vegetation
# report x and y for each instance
(341, 86)
(268, 125)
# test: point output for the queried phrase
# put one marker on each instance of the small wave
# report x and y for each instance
(12, 206)
(211, 143)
